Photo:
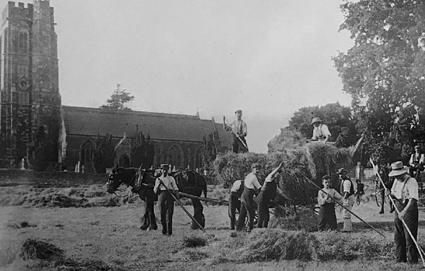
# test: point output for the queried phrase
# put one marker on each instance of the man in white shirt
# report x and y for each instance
(405, 192)
(251, 185)
(320, 130)
(348, 198)
(165, 199)
(240, 131)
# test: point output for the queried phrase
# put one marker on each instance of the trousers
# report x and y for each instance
(247, 209)
(327, 217)
(166, 207)
(234, 205)
(405, 247)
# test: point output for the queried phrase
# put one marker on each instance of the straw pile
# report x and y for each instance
(301, 164)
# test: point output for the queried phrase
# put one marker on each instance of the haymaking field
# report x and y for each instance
(102, 232)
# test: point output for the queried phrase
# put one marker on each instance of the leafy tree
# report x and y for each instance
(118, 100)
(384, 72)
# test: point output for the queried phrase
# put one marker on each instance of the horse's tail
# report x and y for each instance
(204, 187)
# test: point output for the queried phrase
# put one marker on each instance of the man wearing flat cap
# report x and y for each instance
(347, 192)
(405, 194)
(251, 187)
(165, 185)
(239, 131)
(320, 130)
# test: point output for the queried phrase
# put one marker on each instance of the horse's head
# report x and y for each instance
(120, 176)
(113, 181)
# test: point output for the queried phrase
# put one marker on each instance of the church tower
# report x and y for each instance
(30, 99)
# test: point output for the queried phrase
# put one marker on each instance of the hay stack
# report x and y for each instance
(301, 164)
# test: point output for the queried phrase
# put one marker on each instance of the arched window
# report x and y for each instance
(23, 41)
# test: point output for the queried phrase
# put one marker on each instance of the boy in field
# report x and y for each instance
(326, 199)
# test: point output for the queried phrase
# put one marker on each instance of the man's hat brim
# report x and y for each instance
(398, 172)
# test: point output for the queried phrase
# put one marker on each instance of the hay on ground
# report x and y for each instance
(194, 241)
(40, 250)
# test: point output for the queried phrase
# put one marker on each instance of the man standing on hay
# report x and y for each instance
(406, 195)
(251, 185)
(347, 192)
(239, 130)
(320, 130)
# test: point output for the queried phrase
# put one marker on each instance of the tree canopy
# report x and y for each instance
(384, 72)
(334, 115)
(118, 100)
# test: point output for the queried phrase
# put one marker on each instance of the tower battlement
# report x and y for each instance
(18, 10)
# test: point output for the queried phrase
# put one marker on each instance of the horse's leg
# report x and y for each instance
(151, 214)
(198, 214)
(145, 217)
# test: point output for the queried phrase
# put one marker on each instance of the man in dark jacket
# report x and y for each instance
(267, 194)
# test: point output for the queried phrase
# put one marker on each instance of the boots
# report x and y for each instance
(348, 226)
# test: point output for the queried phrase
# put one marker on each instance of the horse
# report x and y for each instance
(193, 183)
(142, 183)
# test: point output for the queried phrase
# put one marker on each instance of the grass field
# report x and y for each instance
(111, 235)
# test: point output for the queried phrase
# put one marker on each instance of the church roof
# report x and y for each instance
(94, 121)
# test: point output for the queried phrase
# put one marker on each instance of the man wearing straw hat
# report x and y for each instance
(405, 192)
(320, 130)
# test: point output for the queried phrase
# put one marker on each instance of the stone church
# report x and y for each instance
(36, 130)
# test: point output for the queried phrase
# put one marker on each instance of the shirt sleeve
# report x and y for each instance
(174, 184)
(393, 190)
(412, 189)
(155, 188)
(314, 133)
(244, 128)
(411, 160)
(422, 160)
(255, 182)
(236, 186)
(347, 186)
(336, 195)
(325, 130)
(269, 178)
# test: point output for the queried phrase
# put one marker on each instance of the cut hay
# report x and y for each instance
(278, 245)
(40, 250)
(304, 220)
(194, 241)
(266, 245)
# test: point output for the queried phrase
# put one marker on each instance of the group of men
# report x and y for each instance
(404, 191)
(242, 199)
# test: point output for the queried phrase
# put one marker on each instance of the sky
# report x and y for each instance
(268, 58)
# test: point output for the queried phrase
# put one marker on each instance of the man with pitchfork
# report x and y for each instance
(406, 195)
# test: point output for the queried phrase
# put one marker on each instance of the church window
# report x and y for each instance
(23, 41)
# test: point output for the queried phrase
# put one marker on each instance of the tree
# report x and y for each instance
(384, 71)
(334, 115)
(118, 100)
